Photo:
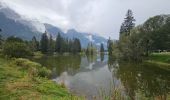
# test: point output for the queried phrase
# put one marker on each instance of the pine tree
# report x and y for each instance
(101, 48)
(51, 45)
(0, 40)
(76, 46)
(58, 43)
(70, 46)
(34, 44)
(128, 23)
(90, 49)
(79, 45)
(109, 46)
(44, 43)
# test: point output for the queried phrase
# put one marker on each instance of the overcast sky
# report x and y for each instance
(103, 17)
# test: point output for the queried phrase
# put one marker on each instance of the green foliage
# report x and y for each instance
(25, 63)
(58, 43)
(156, 30)
(133, 47)
(161, 57)
(44, 43)
(34, 44)
(14, 39)
(153, 35)
(101, 48)
(91, 50)
(1, 41)
(128, 23)
(51, 45)
(65, 45)
(44, 72)
(32, 67)
(109, 46)
(15, 47)
(18, 85)
(76, 46)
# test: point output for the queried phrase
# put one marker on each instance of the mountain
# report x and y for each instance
(86, 38)
(14, 24)
(53, 30)
(72, 33)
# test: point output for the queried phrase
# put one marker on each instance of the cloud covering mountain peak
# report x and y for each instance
(103, 17)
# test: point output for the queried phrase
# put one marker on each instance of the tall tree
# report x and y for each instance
(1, 40)
(44, 43)
(90, 49)
(16, 47)
(76, 46)
(34, 44)
(101, 48)
(58, 43)
(128, 23)
(51, 44)
(109, 46)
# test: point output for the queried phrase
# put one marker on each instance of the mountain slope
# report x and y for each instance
(14, 24)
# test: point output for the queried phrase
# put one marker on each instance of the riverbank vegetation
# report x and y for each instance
(160, 59)
(23, 79)
(138, 43)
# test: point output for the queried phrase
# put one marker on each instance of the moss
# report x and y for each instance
(16, 83)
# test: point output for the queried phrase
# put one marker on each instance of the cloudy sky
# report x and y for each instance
(103, 17)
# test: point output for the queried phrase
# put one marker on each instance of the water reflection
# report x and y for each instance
(86, 75)
(144, 80)
(101, 57)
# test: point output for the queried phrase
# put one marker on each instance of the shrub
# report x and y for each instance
(16, 47)
(44, 72)
(25, 63)
(34, 69)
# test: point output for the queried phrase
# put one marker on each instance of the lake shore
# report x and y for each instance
(18, 82)
(160, 59)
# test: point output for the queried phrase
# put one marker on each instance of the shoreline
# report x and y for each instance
(18, 81)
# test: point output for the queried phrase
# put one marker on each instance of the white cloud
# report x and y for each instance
(94, 16)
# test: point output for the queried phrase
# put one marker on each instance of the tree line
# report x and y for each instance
(138, 42)
(60, 45)
(16, 47)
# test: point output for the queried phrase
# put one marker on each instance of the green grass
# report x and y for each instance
(16, 83)
(161, 59)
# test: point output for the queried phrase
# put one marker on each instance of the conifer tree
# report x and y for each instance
(51, 45)
(44, 43)
(101, 48)
(58, 43)
(34, 44)
(128, 23)
(1, 40)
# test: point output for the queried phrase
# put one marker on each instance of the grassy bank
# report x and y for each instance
(24, 80)
(160, 59)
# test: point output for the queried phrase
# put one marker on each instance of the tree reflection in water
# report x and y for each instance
(139, 81)
(144, 79)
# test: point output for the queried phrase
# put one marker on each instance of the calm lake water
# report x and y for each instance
(91, 76)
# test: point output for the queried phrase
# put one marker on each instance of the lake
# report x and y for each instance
(92, 76)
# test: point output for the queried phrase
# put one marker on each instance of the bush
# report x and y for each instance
(25, 63)
(34, 69)
(16, 47)
(44, 72)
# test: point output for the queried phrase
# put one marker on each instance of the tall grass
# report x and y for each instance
(115, 93)
(16, 83)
